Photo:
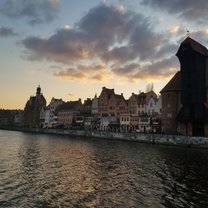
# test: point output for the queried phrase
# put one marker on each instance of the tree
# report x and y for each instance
(149, 87)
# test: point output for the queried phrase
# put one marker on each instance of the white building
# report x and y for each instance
(50, 115)
(151, 106)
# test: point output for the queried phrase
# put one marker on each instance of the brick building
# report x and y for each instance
(171, 100)
(111, 104)
(33, 108)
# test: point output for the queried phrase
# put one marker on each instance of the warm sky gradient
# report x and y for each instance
(73, 48)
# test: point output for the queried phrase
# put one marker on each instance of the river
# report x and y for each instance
(59, 171)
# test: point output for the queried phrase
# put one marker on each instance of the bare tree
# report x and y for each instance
(149, 87)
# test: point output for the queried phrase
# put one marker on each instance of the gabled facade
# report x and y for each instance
(104, 97)
(133, 104)
(87, 106)
(95, 107)
(53, 114)
(143, 104)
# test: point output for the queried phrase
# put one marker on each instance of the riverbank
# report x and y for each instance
(177, 140)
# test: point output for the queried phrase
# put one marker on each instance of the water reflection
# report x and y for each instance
(54, 171)
(186, 184)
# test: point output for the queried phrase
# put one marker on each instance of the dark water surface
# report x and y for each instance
(57, 171)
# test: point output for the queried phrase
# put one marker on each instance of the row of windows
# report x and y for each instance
(128, 119)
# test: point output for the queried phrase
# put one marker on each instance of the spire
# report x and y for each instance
(38, 90)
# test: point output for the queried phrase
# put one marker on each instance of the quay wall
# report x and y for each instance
(178, 140)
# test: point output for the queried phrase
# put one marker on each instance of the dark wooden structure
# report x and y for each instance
(193, 58)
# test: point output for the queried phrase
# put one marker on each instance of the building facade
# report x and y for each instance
(193, 115)
(33, 108)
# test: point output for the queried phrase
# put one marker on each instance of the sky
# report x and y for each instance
(72, 48)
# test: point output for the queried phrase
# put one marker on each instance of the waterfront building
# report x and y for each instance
(53, 121)
(184, 98)
(158, 107)
(122, 105)
(10, 117)
(150, 106)
(95, 107)
(143, 103)
(33, 108)
(18, 118)
(71, 106)
(89, 121)
(171, 104)
(111, 104)
(133, 104)
(42, 117)
(116, 105)
(144, 125)
(193, 115)
(103, 104)
(46, 113)
(87, 106)
(66, 118)
(129, 122)
(105, 122)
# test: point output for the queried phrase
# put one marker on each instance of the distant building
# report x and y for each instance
(129, 122)
(33, 108)
(95, 106)
(104, 97)
(66, 118)
(87, 106)
(105, 122)
(18, 118)
(52, 112)
(133, 104)
(111, 104)
(7, 117)
(143, 103)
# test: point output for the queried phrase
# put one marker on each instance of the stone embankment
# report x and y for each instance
(178, 140)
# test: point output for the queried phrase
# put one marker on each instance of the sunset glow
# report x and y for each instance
(74, 48)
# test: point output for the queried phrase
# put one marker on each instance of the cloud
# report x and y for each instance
(71, 95)
(190, 10)
(162, 69)
(115, 40)
(95, 73)
(6, 32)
(38, 11)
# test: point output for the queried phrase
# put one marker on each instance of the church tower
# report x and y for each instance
(38, 91)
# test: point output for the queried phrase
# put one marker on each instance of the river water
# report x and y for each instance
(58, 171)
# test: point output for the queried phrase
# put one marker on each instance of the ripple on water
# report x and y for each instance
(51, 171)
